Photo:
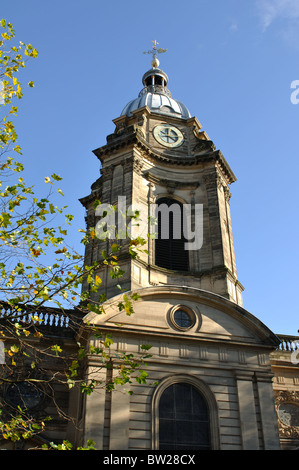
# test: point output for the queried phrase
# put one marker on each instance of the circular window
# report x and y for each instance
(25, 395)
(289, 414)
(182, 318)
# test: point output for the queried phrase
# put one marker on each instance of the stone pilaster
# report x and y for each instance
(247, 411)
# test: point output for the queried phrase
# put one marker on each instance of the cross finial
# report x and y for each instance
(154, 52)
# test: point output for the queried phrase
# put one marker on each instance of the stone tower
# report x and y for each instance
(158, 153)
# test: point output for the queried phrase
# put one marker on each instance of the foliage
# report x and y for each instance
(20, 426)
(39, 270)
(66, 445)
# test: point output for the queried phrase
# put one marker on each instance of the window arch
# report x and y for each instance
(183, 419)
(184, 415)
(170, 250)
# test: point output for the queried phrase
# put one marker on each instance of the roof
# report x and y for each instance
(156, 96)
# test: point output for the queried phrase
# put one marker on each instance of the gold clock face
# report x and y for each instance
(167, 135)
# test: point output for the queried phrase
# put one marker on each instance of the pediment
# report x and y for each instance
(215, 317)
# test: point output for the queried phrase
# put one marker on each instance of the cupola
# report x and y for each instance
(155, 94)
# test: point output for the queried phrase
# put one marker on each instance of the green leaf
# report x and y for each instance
(114, 248)
(57, 349)
(56, 177)
(146, 347)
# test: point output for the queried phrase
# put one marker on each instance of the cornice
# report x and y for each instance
(170, 183)
(133, 136)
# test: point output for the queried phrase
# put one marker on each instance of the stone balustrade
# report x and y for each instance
(288, 343)
(43, 317)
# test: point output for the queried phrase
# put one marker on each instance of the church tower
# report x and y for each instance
(209, 375)
(160, 162)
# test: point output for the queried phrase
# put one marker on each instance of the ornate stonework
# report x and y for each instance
(287, 408)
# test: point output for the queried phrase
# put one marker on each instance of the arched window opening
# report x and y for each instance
(183, 419)
(170, 242)
(148, 81)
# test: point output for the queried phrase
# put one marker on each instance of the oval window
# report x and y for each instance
(182, 318)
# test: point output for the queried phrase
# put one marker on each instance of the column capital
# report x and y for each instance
(244, 375)
(262, 376)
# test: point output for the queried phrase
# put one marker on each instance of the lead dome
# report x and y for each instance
(156, 96)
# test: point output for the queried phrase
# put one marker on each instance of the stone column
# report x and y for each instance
(95, 411)
(267, 410)
(119, 419)
(247, 411)
(210, 182)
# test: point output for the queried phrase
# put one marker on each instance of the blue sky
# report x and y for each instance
(231, 62)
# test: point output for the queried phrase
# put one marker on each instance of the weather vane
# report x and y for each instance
(154, 52)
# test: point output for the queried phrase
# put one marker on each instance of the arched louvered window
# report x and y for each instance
(170, 250)
(183, 419)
